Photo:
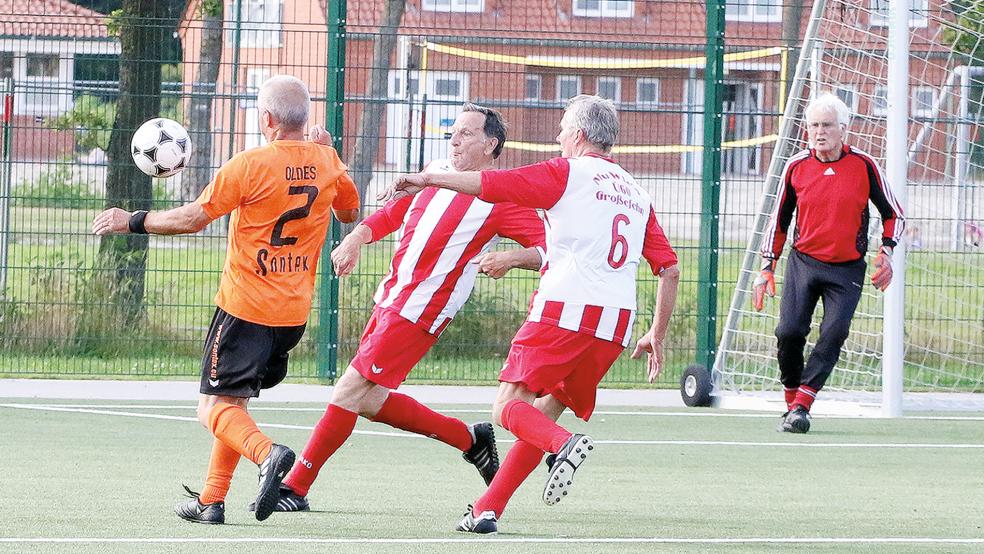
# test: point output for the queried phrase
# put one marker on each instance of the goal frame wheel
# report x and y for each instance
(696, 386)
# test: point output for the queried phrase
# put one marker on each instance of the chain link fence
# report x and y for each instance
(79, 81)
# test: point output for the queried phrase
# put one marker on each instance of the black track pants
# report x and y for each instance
(808, 280)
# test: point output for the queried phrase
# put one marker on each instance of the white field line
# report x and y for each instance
(622, 442)
(261, 408)
(529, 540)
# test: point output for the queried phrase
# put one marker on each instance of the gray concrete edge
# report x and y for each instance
(64, 389)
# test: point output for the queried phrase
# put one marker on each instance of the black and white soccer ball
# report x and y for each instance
(161, 147)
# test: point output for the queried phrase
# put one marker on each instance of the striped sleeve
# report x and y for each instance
(880, 193)
(774, 235)
(389, 218)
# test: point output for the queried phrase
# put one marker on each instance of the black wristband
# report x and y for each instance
(136, 223)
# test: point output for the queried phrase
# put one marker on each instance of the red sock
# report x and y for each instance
(530, 425)
(521, 460)
(403, 412)
(805, 396)
(221, 466)
(790, 397)
(233, 425)
(329, 434)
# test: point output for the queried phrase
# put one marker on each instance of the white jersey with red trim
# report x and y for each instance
(599, 223)
(442, 236)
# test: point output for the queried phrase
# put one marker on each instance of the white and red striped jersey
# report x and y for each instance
(442, 235)
(599, 223)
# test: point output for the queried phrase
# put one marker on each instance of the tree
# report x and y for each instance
(199, 171)
(118, 281)
(367, 141)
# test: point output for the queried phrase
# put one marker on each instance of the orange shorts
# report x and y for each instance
(390, 348)
(565, 364)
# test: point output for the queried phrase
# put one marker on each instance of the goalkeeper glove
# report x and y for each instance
(764, 284)
(882, 276)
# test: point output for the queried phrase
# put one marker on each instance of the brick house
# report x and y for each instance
(42, 43)
(526, 58)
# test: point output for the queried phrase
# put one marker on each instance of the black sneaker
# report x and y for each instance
(561, 475)
(483, 453)
(796, 421)
(782, 422)
(483, 524)
(289, 502)
(272, 472)
(194, 511)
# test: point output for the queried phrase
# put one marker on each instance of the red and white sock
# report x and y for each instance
(403, 412)
(790, 397)
(521, 460)
(805, 396)
(530, 425)
(329, 434)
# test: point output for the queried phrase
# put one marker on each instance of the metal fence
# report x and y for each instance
(388, 79)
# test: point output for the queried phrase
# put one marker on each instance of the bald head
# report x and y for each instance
(287, 99)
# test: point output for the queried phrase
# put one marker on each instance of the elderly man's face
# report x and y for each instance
(825, 133)
(471, 149)
(567, 137)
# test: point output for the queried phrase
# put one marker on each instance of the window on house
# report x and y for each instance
(464, 6)
(534, 87)
(568, 86)
(754, 10)
(610, 88)
(42, 65)
(396, 84)
(647, 91)
(6, 65)
(603, 8)
(447, 87)
(849, 96)
(259, 24)
(923, 100)
(917, 13)
(879, 101)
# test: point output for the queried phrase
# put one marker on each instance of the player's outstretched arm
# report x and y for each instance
(345, 256)
(466, 182)
(189, 218)
(497, 264)
(652, 341)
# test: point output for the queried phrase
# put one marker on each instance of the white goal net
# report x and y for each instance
(845, 51)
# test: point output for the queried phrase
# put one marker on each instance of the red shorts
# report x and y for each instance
(390, 347)
(565, 364)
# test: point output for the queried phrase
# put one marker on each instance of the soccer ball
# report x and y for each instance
(161, 147)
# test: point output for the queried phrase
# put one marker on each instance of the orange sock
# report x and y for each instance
(221, 466)
(232, 425)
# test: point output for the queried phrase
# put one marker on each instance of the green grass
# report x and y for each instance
(88, 475)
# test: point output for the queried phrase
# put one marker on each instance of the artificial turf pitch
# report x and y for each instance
(659, 480)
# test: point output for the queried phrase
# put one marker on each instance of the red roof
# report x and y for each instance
(50, 18)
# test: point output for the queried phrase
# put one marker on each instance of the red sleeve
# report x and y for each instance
(347, 197)
(389, 218)
(522, 225)
(774, 235)
(655, 248)
(535, 186)
(880, 193)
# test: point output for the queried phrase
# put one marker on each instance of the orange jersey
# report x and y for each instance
(280, 196)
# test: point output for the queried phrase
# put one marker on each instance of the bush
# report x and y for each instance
(55, 188)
